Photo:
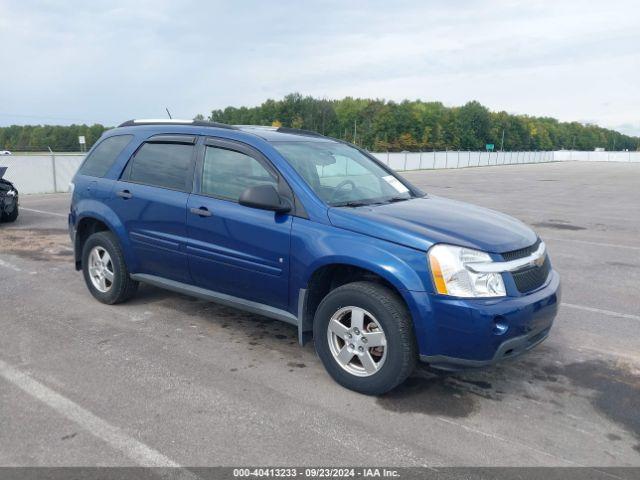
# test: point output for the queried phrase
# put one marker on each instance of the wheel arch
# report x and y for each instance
(93, 222)
(333, 273)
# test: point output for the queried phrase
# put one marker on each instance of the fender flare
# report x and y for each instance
(99, 211)
(389, 267)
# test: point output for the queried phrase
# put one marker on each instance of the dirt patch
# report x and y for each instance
(431, 396)
(296, 365)
(478, 383)
(613, 389)
(616, 391)
(210, 318)
(559, 226)
(42, 245)
(624, 265)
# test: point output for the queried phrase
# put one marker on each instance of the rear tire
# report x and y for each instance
(105, 271)
(346, 356)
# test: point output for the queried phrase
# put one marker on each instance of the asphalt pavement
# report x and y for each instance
(168, 380)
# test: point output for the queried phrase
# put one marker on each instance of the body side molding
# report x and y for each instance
(217, 297)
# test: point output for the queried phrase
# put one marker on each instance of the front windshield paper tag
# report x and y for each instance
(395, 183)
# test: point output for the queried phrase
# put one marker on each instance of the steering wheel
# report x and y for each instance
(340, 186)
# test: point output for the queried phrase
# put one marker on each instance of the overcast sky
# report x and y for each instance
(105, 62)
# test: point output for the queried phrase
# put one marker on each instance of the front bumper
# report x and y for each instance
(458, 333)
(508, 349)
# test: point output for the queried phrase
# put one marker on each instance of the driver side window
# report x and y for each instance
(227, 173)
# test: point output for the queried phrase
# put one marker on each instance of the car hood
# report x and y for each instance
(421, 222)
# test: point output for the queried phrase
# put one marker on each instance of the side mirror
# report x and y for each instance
(264, 197)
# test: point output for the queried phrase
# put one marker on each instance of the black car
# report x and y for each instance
(8, 199)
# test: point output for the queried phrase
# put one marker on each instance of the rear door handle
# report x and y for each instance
(201, 212)
(124, 194)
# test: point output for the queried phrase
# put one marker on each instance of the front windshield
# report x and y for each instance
(341, 175)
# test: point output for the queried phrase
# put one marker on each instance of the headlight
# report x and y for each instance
(11, 193)
(452, 277)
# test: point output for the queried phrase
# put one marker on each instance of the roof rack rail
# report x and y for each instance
(298, 131)
(256, 127)
(292, 131)
(174, 121)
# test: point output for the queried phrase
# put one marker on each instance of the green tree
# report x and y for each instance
(375, 124)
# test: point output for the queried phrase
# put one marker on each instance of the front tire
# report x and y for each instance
(105, 271)
(364, 336)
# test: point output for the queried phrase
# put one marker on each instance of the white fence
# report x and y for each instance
(569, 155)
(41, 173)
(461, 159)
(52, 172)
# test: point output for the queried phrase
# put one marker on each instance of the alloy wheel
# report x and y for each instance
(357, 341)
(101, 269)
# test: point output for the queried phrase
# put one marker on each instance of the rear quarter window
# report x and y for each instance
(98, 163)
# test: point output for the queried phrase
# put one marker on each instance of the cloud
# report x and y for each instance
(109, 61)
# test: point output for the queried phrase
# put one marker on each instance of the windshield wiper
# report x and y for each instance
(352, 204)
(398, 199)
(361, 203)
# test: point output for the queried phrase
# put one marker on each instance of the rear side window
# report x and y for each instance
(166, 165)
(227, 173)
(98, 163)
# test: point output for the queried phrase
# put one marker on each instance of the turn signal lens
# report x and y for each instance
(438, 279)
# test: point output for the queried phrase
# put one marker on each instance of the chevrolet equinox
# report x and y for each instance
(314, 232)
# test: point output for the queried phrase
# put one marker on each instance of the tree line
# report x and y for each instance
(381, 125)
(38, 138)
(374, 124)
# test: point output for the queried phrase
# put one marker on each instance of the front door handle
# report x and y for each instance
(201, 212)
(125, 194)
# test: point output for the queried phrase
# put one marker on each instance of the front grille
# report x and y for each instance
(531, 278)
(521, 253)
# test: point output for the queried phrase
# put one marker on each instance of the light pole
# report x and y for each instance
(355, 130)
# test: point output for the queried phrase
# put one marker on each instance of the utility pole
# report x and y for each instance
(355, 129)
(502, 142)
(53, 169)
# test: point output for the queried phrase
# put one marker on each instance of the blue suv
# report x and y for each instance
(317, 233)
